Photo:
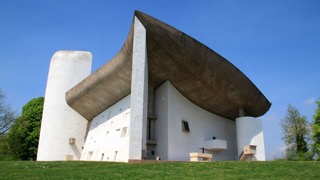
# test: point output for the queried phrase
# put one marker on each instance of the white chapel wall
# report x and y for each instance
(203, 126)
(108, 136)
(161, 124)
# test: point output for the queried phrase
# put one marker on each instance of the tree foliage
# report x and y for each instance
(7, 116)
(295, 134)
(316, 132)
(4, 148)
(23, 136)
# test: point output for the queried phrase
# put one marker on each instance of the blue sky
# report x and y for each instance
(276, 43)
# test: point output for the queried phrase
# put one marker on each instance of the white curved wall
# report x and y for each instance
(249, 132)
(171, 107)
(59, 121)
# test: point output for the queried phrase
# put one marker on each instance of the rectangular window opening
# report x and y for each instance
(124, 132)
(185, 126)
(115, 155)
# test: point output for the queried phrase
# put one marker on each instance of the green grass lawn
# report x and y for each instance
(170, 170)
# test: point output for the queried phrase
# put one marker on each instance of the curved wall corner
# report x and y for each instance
(249, 132)
(59, 121)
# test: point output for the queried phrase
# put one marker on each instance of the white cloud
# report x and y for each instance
(309, 101)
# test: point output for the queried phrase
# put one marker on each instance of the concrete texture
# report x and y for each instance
(200, 74)
(139, 94)
(159, 79)
(59, 121)
(216, 145)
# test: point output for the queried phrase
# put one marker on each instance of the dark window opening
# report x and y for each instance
(185, 126)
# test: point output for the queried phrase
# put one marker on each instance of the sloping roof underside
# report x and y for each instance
(200, 74)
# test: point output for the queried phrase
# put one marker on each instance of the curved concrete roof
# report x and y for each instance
(200, 74)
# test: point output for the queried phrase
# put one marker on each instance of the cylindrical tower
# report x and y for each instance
(63, 129)
(249, 132)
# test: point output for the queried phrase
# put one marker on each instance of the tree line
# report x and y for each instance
(19, 135)
(302, 139)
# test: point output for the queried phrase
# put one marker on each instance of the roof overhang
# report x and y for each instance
(200, 74)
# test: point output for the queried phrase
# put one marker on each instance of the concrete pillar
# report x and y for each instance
(150, 101)
(139, 93)
(241, 112)
(59, 122)
(249, 132)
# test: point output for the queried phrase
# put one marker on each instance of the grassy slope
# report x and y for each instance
(172, 170)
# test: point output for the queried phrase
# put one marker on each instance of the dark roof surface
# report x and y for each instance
(200, 74)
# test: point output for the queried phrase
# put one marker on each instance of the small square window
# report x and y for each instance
(123, 132)
(72, 140)
(185, 126)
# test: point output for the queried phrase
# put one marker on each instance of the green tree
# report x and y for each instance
(7, 116)
(316, 132)
(295, 133)
(4, 148)
(23, 136)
